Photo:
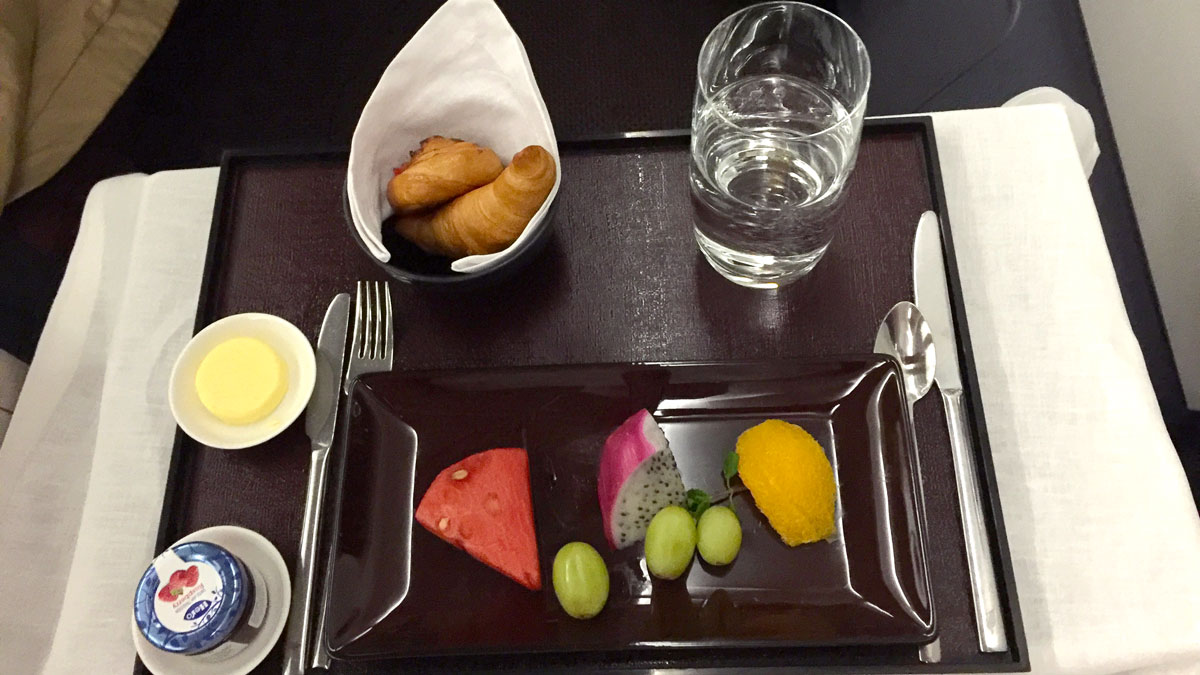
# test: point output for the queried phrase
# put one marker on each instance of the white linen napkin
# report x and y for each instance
(1083, 128)
(83, 467)
(463, 75)
(1104, 536)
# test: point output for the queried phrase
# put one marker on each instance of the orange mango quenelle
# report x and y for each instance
(791, 480)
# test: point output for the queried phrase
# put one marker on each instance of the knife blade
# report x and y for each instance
(319, 423)
(933, 299)
(321, 415)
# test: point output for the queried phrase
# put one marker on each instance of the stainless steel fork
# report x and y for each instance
(371, 346)
(371, 350)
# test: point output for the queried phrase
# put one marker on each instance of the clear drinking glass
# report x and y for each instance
(780, 94)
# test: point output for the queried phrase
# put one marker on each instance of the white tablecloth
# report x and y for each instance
(1104, 535)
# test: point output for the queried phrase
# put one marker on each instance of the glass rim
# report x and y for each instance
(854, 109)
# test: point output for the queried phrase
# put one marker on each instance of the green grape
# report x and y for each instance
(720, 535)
(580, 580)
(670, 542)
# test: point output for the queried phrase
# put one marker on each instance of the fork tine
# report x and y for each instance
(387, 323)
(377, 352)
(356, 342)
(369, 321)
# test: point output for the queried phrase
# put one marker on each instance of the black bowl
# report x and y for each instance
(411, 265)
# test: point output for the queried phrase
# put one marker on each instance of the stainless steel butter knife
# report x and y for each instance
(929, 282)
(319, 423)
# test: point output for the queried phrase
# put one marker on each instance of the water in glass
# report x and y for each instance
(771, 154)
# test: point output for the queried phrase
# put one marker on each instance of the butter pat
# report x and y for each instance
(242, 380)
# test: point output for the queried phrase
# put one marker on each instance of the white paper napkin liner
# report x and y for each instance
(464, 74)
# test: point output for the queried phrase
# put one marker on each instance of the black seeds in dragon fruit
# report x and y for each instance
(638, 475)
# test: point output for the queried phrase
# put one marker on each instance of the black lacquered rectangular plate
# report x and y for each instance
(399, 591)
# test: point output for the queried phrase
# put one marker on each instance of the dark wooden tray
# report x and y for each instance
(620, 281)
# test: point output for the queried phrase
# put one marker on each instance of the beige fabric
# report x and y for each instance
(63, 63)
(18, 25)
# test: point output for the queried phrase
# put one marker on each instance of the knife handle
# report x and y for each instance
(299, 634)
(988, 618)
(318, 653)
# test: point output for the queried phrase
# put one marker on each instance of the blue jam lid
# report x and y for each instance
(191, 598)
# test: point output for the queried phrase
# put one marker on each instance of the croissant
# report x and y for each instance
(488, 219)
(442, 169)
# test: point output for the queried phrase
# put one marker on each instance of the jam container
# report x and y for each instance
(197, 597)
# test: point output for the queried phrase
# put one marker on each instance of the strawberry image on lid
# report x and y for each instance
(179, 580)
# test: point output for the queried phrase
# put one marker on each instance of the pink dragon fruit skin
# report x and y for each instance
(638, 478)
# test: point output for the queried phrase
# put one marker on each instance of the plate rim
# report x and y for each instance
(868, 361)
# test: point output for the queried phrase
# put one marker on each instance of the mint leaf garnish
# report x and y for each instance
(731, 467)
(697, 502)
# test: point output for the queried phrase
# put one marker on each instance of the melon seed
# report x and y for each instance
(459, 475)
(443, 524)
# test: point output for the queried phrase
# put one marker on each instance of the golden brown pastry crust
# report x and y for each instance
(442, 169)
(488, 219)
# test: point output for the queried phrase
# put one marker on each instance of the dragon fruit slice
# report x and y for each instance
(638, 477)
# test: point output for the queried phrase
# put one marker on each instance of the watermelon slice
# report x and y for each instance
(482, 506)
